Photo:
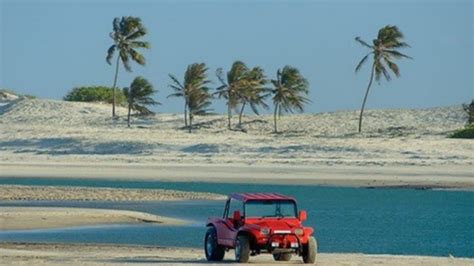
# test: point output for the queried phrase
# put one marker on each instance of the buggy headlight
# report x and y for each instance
(299, 231)
(265, 231)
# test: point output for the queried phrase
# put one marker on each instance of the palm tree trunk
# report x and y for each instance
(365, 97)
(229, 113)
(129, 110)
(190, 122)
(115, 84)
(241, 112)
(186, 114)
(275, 130)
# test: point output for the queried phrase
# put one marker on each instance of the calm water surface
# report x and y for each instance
(393, 221)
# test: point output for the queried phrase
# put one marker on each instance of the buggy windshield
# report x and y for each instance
(270, 208)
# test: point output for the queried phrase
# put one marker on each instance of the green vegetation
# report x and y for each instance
(126, 35)
(290, 92)
(139, 96)
(465, 133)
(384, 51)
(194, 90)
(95, 94)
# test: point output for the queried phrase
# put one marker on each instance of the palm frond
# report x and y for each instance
(110, 54)
(393, 67)
(383, 70)
(137, 57)
(364, 43)
(137, 34)
(176, 81)
(361, 63)
(125, 60)
(397, 54)
(220, 75)
(140, 44)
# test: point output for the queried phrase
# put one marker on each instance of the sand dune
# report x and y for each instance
(25, 218)
(56, 131)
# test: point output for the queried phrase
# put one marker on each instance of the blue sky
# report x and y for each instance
(49, 47)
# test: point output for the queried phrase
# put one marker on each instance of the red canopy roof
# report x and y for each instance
(260, 196)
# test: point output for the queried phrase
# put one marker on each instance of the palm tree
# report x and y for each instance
(126, 34)
(384, 52)
(290, 92)
(199, 101)
(231, 85)
(139, 96)
(253, 91)
(193, 90)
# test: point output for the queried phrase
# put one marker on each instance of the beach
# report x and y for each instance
(74, 254)
(451, 177)
(400, 147)
(24, 218)
(48, 139)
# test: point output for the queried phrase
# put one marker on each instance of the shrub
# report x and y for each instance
(465, 133)
(95, 94)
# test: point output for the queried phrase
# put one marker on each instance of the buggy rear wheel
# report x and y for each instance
(242, 249)
(214, 251)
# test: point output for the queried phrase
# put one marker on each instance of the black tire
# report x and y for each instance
(310, 250)
(282, 256)
(213, 251)
(242, 249)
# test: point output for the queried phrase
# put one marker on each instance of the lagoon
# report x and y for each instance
(376, 221)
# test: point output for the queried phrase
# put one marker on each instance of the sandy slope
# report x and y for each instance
(61, 254)
(56, 131)
(23, 218)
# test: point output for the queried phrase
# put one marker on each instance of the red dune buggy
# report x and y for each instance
(255, 223)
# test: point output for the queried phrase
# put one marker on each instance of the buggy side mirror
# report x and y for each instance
(303, 216)
(236, 216)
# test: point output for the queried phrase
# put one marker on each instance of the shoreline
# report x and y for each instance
(93, 254)
(417, 177)
(26, 218)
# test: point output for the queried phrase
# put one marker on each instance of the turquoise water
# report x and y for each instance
(393, 221)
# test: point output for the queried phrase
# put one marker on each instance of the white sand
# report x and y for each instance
(398, 147)
(21, 218)
(60, 193)
(446, 176)
(70, 254)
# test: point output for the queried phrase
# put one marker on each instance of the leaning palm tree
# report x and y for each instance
(231, 85)
(290, 92)
(139, 96)
(384, 52)
(195, 79)
(253, 92)
(126, 34)
(199, 102)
